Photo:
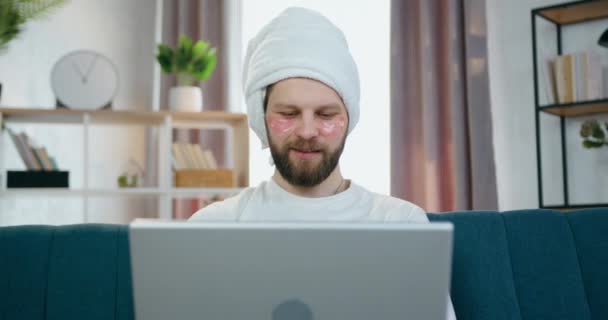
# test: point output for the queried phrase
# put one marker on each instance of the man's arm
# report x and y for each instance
(225, 210)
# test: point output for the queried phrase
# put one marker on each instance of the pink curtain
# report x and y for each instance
(442, 156)
(198, 19)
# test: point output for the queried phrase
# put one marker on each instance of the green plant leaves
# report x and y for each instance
(183, 54)
(597, 132)
(189, 61)
(165, 58)
(199, 50)
(592, 144)
(29, 9)
(587, 128)
(594, 135)
(14, 13)
(9, 26)
(204, 67)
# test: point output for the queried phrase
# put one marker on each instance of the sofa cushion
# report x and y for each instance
(73, 294)
(590, 231)
(68, 272)
(482, 280)
(545, 266)
(24, 258)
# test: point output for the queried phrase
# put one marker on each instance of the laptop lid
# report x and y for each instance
(279, 271)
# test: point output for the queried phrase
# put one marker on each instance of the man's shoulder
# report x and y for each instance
(228, 209)
(391, 208)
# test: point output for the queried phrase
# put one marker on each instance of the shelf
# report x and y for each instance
(574, 12)
(127, 192)
(577, 109)
(66, 192)
(37, 192)
(196, 192)
(576, 206)
(237, 150)
(562, 15)
(235, 124)
(66, 116)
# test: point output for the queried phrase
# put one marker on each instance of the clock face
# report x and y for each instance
(84, 80)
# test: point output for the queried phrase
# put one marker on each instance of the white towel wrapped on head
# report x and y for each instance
(298, 43)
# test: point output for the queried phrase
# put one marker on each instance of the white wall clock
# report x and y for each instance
(84, 80)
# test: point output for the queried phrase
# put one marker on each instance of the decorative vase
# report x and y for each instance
(186, 98)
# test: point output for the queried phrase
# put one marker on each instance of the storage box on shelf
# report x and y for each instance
(563, 15)
(207, 178)
(187, 186)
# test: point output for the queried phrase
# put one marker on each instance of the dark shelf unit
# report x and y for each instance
(562, 15)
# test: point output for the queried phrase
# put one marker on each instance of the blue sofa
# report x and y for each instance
(532, 264)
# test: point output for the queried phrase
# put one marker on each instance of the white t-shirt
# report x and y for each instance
(270, 202)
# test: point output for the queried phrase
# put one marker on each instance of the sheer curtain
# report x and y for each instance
(442, 156)
(198, 19)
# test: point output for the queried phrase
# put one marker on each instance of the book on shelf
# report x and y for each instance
(594, 79)
(41, 155)
(25, 151)
(44, 157)
(212, 163)
(192, 151)
(577, 77)
(54, 163)
(548, 72)
(178, 157)
(563, 78)
(21, 149)
(200, 156)
(188, 156)
(34, 156)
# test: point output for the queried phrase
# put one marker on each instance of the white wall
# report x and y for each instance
(123, 31)
(512, 98)
(366, 25)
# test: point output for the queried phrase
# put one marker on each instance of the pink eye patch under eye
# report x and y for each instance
(281, 126)
(331, 127)
(285, 126)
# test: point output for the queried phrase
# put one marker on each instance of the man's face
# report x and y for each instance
(306, 123)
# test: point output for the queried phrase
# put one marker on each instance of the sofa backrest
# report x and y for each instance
(522, 265)
(530, 264)
(590, 232)
(67, 272)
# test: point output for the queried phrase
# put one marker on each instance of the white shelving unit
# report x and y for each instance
(235, 125)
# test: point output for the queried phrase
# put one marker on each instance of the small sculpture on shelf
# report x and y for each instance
(593, 134)
(132, 177)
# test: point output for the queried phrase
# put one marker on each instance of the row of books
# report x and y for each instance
(574, 77)
(192, 156)
(34, 156)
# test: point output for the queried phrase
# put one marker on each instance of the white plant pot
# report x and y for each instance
(188, 99)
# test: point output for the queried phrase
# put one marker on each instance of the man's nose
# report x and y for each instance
(307, 128)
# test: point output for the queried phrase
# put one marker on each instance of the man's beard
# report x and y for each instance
(305, 173)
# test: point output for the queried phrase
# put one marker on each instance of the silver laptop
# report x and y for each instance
(290, 271)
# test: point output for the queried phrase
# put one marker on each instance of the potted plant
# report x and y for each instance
(189, 62)
(593, 134)
(14, 13)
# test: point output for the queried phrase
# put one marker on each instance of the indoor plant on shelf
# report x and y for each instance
(593, 134)
(190, 63)
(14, 13)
